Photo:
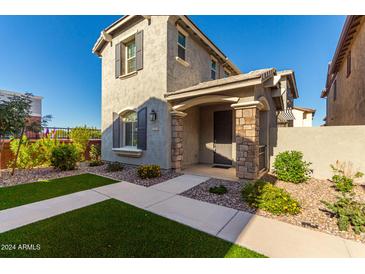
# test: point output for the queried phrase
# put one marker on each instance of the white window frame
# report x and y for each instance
(131, 58)
(212, 69)
(125, 131)
(180, 45)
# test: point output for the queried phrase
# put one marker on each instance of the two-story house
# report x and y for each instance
(171, 97)
(345, 85)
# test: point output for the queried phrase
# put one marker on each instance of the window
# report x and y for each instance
(130, 129)
(348, 64)
(131, 56)
(226, 73)
(213, 70)
(334, 90)
(181, 46)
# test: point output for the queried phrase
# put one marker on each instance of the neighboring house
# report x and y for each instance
(171, 97)
(303, 117)
(345, 85)
(36, 108)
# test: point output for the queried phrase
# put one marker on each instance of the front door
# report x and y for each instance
(223, 138)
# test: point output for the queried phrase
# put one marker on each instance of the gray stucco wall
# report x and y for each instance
(323, 146)
(145, 88)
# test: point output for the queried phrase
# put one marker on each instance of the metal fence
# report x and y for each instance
(59, 133)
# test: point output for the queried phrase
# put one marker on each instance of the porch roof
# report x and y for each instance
(232, 82)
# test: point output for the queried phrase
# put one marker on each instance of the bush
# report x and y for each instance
(33, 154)
(114, 166)
(220, 190)
(343, 177)
(80, 137)
(266, 196)
(290, 167)
(149, 171)
(348, 213)
(65, 157)
(95, 153)
(96, 163)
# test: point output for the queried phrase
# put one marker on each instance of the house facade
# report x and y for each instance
(171, 97)
(345, 85)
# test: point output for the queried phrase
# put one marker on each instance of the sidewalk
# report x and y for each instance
(267, 236)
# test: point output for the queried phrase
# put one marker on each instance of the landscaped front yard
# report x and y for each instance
(114, 229)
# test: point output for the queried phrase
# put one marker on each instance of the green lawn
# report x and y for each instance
(28, 193)
(115, 229)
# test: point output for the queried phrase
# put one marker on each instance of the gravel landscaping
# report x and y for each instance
(313, 213)
(129, 174)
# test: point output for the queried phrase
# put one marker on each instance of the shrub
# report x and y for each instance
(95, 153)
(344, 176)
(218, 190)
(65, 157)
(266, 196)
(149, 171)
(290, 167)
(348, 213)
(114, 166)
(34, 154)
(80, 137)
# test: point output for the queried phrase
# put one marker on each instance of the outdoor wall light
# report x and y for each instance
(153, 115)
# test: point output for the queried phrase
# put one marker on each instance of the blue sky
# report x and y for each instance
(51, 56)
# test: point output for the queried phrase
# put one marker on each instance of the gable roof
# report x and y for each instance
(310, 110)
(107, 33)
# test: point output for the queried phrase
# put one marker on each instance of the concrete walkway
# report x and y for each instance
(267, 236)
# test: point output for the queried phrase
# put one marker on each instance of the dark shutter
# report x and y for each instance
(118, 60)
(116, 130)
(142, 129)
(122, 58)
(139, 50)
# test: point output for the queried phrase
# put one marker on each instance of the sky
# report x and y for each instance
(51, 56)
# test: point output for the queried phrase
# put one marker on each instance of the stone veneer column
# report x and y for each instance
(247, 142)
(177, 131)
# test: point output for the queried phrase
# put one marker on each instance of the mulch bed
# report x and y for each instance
(129, 174)
(314, 214)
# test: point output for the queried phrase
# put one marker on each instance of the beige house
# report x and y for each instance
(345, 85)
(303, 117)
(171, 97)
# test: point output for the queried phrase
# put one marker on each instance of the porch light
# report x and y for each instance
(153, 115)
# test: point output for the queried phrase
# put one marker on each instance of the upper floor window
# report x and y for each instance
(213, 70)
(334, 90)
(226, 73)
(348, 64)
(131, 56)
(181, 46)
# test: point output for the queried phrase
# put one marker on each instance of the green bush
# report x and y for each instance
(220, 190)
(114, 167)
(268, 197)
(149, 171)
(81, 135)
(343, 177)
(349, 213)
(33, 153)
(290, 167)
(65, 157)
(95, 154)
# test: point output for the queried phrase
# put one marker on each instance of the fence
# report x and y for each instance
(322, 146)
(58, 133)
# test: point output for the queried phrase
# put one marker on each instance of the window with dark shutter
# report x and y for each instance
(142, 129)
(139, 50)
(181, 45)
(348, 64)
(335, 90)
(116, 130)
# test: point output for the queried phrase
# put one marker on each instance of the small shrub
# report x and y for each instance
(218, 190)
(95, 153)
(149, 171)
(96, 163)
(80, 137)
(289, 166)
(114, 167)
(266, 196)
(349, 213)
(344, 176)
(65, 157)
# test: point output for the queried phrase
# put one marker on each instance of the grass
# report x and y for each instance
(115, 229)
(13, 196)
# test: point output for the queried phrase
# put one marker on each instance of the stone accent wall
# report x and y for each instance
(247, 140)
(177, 150)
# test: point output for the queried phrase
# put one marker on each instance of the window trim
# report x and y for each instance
(123, 116)
(212, 69)
(132, 40)
(180, 45)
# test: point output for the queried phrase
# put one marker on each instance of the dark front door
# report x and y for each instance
(223, 137)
